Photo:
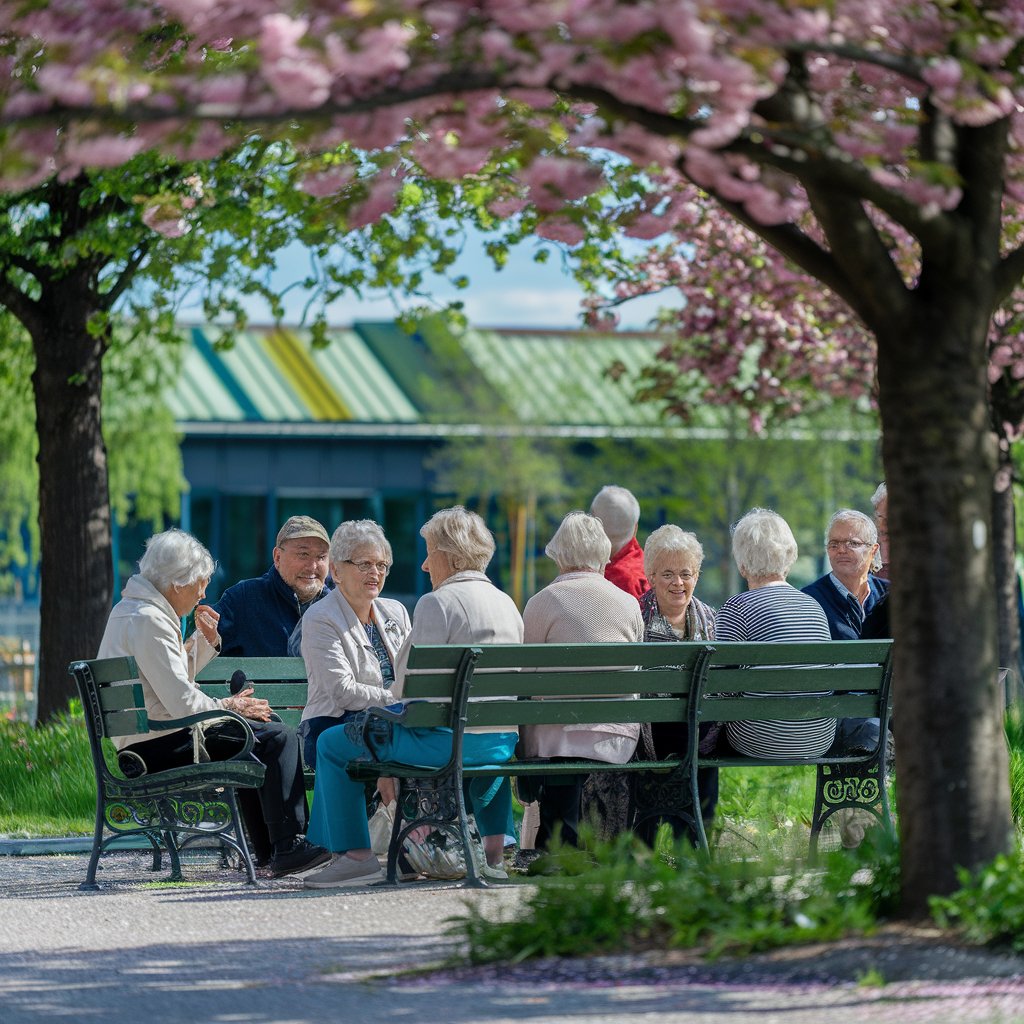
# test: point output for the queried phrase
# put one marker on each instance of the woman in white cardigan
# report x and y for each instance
(146, 625)
(351, 638)
(579, 607)
(464, 607)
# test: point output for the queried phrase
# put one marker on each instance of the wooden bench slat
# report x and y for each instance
(280, 695)
(834, 652)
(254, 668)
(125, 723)
(863, 678)
(562, 656)
(541, 684)
(787, 709)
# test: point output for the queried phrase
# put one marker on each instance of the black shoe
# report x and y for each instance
(299, 856)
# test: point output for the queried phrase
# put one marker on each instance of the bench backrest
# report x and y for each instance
(112, 697)
(568, 676)
(852, 676)
(280, 681)
(802, 681)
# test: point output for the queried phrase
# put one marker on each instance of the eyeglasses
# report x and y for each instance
(668, 576)
(852, 545)
(367, 567)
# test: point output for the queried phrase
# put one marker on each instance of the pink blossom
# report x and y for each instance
(321, 184)
(105, 151)
(555, 180)
(380, 200)
(561, 229)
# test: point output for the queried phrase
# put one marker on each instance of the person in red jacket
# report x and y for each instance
(619, 512)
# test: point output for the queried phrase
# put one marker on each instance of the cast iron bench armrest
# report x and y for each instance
(208, 716)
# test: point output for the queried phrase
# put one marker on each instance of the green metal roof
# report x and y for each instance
(376, 373)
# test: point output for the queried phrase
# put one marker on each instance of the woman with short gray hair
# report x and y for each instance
(351, 637)
(461, 536)
(672, 613)
(772, 610)
(146, 625)
(579, 607)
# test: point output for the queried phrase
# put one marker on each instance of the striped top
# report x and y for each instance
(777, 613)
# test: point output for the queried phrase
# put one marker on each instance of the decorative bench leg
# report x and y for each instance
(669, 798)
(839, 786)
(89, 885)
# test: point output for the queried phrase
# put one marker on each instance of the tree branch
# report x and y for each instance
(1009, 275)
(126, 276)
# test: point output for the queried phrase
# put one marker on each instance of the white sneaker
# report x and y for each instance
(493, 874)
(344, 870)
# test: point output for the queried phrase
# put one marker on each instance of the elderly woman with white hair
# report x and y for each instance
(464, 607)
(146, 625)
(579, 607)
(772, 610)
(851, 592)
(350, 639)
(671, 613)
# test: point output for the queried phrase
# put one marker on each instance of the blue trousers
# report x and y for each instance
(338, 817)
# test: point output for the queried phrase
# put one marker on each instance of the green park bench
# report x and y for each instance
(460, 685)
(171, 809)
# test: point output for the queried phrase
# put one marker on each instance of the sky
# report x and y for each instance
(522, 294)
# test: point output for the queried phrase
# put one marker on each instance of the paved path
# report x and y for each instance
(214, 950)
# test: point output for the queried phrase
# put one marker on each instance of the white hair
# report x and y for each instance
(863, 524)
(763, 544)
(619, 512)
(881, 493)
(462, 535)
(580, 543)
(356, 534)
(671, 540)
(175, 558)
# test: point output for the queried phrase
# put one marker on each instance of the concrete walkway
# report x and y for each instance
(214, 950)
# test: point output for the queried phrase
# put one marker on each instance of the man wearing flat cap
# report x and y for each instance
(257, 616)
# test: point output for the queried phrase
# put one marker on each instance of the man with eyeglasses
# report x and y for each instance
(851, 592)
(854, 600)
(257, 617)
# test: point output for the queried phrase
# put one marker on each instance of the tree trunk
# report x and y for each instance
(952, 771)
(74, 502)
(1004, 549)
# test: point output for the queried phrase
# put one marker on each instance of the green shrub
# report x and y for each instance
(623, 895)
(988, 907)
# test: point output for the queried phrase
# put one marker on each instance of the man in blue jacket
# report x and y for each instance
(854, 600)
(851, 592)
(257, 616)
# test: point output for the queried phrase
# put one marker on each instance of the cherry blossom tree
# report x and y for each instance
(751, 331)
(812, 125)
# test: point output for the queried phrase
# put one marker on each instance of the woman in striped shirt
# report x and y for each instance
(773, 611)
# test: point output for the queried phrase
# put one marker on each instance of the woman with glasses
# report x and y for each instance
(851, 592)
(463, 607)
(350, 638)
(672, 563)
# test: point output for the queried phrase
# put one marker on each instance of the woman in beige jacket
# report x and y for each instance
(579, 607)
